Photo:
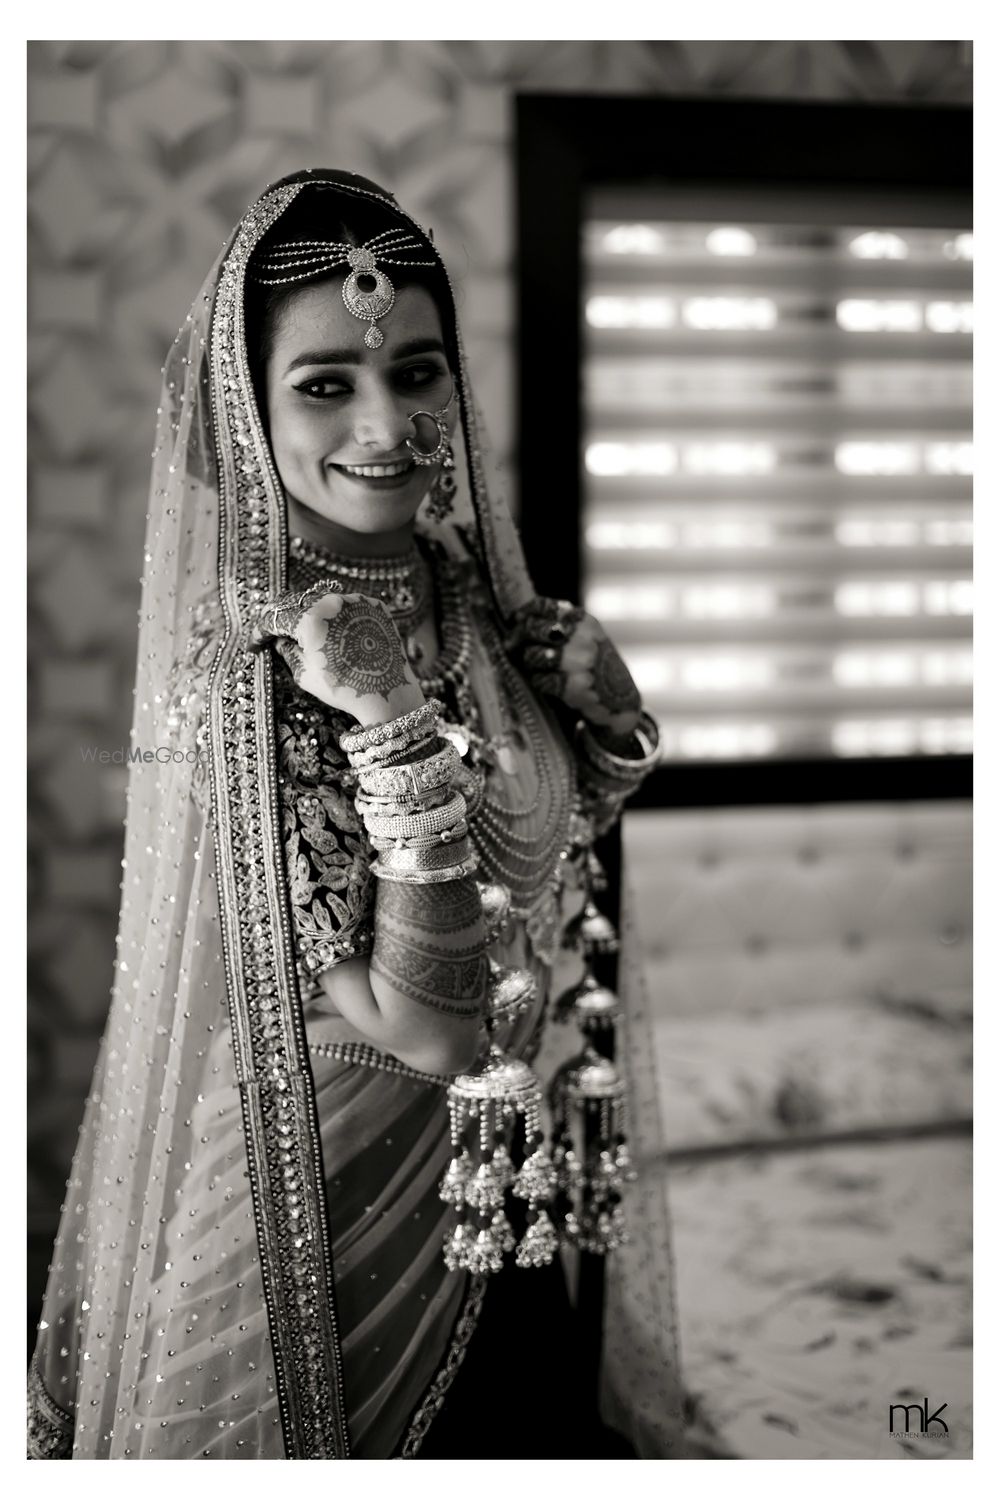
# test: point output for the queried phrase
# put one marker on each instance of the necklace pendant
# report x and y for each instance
(414, 651)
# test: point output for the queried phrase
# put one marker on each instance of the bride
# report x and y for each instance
(357, 875)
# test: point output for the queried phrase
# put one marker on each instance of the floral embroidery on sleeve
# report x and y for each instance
(327, 852)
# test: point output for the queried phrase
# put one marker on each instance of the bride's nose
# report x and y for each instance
(381, 421)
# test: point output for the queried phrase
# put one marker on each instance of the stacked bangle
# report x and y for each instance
(415, 818)
(402, 747)
(434, 820)
(410, 779)
(366, 746)
(452, 835)
(426, 866)
(400, 806)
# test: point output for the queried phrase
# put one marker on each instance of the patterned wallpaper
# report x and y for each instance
(142, 155)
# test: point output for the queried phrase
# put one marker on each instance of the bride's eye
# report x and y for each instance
(320, 389)
(420, 377)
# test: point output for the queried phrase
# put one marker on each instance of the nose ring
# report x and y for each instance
(421, 455)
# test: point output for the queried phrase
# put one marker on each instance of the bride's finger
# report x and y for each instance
(280, 616)
(291, 653)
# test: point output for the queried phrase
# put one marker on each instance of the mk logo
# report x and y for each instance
(924, 1417)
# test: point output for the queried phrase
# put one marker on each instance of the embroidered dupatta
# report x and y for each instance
(186, 1316)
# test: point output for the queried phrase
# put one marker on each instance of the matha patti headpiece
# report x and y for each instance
(368, 293)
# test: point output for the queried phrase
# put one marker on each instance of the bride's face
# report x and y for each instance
(340, 413)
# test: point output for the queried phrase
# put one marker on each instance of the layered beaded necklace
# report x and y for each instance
(402, 583)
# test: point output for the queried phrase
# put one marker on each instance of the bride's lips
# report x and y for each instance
(379, 479)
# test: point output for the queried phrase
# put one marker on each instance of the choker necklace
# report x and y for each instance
(402, 583)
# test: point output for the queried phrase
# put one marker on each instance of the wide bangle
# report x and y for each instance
(623, 768)
(356, 741)
(392, 752)
(406, 861)
(403, 807)
(468, 866)
(412, 778)
(450, 835)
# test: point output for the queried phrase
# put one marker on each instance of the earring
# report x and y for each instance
(441, 495)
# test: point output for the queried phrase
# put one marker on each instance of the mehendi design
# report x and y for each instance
(452, 906)
(291, 651)
(363, 650)
(419, 950)
(568, 656)
(613, 682)
(450, 980)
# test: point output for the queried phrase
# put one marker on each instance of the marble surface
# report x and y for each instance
(817, 1287)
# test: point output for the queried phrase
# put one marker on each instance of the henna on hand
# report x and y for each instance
(613, 682)
(362, 648)
(569, 656)
(343, 649)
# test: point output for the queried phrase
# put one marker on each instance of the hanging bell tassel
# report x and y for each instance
(486, 1255)
(458, 1244)
(591, 932)
(455, 1180)
(592, 1005)
(591, 1159)
(505, 1237)
(536, 1180)
(496, 1137)
(484, 1190)
(540, 1241)
(496, 1151)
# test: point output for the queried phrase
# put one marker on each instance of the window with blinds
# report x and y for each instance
(778, 459)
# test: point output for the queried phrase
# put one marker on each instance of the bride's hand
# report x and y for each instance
(569, 656)
(342, 649)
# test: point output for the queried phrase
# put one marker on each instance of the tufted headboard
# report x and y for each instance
(810, 968)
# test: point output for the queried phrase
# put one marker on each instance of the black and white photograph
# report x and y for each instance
(499, 749)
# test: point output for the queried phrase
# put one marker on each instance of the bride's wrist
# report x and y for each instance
(370, 744)
(405, 700)
(619, 740)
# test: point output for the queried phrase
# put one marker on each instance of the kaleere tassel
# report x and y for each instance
(496, 1136)
(591, 932)
(592, 1161)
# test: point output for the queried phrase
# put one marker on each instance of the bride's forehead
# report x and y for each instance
(318, 311)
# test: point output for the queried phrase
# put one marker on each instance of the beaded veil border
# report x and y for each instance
(277, 1092)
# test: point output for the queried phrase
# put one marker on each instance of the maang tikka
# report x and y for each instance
(367, 291)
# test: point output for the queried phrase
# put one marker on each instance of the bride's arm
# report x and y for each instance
(420, 995)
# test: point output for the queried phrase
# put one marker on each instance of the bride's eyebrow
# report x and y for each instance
(352, 357)
(417, 346)
(324, 357)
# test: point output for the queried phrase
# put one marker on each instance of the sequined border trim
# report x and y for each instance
(439, 1387)
(50, 1426)
(277, 1092)
(272, 1063)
